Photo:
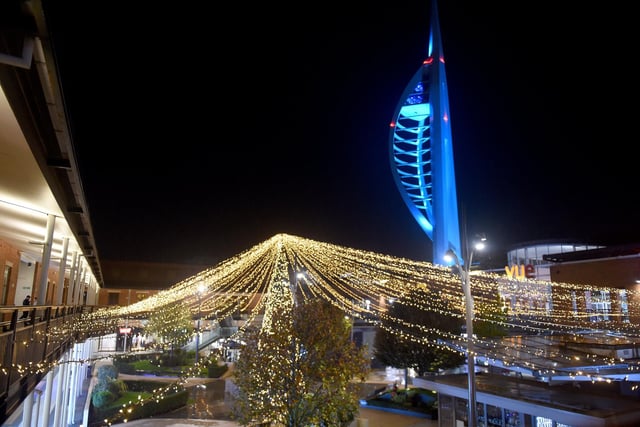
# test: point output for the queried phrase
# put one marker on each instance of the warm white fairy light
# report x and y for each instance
(261, 279)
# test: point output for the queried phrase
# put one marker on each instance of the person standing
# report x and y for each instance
(26, 301)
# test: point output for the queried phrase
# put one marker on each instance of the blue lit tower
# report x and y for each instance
(421, 150)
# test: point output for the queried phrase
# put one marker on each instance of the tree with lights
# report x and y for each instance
(173, 324)
(300, 371)
(492, 322)
(400, 340)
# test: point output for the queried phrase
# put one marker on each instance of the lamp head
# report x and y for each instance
(479, 243)
(450, 257)
(478, 246)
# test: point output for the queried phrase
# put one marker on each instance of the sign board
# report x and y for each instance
(520, 272)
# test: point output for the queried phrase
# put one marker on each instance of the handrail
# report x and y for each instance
(39, 341)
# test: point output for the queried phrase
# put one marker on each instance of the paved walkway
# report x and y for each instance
(366, 417)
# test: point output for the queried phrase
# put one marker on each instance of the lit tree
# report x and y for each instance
(393, 346)
(493, 318)
(173, 324)
(301, 370)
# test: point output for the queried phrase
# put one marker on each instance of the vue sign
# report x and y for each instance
(520, 272)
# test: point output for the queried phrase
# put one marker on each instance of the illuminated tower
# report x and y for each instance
(421, 150)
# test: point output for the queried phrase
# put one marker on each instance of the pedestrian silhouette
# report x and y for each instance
(26, 301)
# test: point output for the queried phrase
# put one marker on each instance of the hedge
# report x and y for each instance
(149, 409)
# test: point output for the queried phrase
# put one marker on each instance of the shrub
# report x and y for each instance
(143, 386)
(216, 371)
(168, 403)
(147, 365)
(127, 368)
(117, 387)
(413, 399)
(176, 357)
(102, 398)
(107, 371)
(149, 409)
(110, 393)
(107, 388)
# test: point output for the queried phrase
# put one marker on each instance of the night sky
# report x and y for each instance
(200, 132)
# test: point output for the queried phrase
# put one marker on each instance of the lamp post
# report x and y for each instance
(353, 317)
(200, 291)
(126, 323)
(463, 271)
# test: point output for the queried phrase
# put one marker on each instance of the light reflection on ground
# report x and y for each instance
(206, 402)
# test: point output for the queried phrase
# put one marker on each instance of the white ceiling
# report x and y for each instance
(25, 197)
(39, 177)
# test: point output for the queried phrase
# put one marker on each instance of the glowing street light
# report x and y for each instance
(201, 289)
(463, 270)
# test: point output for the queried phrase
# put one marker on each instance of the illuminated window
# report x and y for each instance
(624, 305)
(599, 305)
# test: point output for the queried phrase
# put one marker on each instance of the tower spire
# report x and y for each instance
(421, 150)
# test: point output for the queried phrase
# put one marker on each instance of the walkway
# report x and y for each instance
(366, 417)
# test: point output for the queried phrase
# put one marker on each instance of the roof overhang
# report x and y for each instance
(39, 175)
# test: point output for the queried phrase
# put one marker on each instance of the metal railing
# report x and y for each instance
(30, 346)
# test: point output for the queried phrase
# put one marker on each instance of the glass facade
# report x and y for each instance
(532, 256)
(452, 412)
(536, 295)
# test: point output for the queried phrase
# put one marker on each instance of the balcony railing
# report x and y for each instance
(30, 347)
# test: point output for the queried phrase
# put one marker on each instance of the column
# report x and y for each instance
(46, 259)
(47, 398)
(72, 279)
(27, 410)
(62, 374)
(61, 273)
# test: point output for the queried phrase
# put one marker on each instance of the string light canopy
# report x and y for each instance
(286, 270)
(285, 267)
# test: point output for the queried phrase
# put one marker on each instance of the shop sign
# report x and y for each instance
(520, 272)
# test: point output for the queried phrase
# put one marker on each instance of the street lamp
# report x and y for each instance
(126, 323)
(463, 271)
(201, 289)
(352, 317)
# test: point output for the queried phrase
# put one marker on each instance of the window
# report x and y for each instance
(494, 416)
(599, 305)
(114, 298)
(462, 413)
(480, 415)
(445, 410)
(624, 305)
(512, 418)
(544, 422)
